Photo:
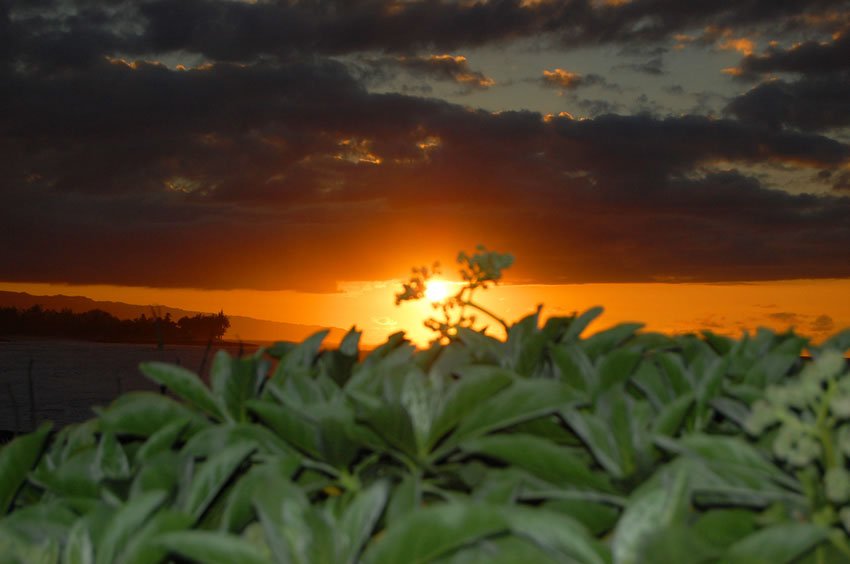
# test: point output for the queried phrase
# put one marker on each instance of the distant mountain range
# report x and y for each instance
(241, 328)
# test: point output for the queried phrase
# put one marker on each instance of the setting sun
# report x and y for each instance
(437, 290)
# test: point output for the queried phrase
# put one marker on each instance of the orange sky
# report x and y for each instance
(816, 308)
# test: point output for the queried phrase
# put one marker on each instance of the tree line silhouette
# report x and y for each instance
(99, 325)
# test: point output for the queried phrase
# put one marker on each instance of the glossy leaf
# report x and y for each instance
(162, 440)
(124, 524)
(542, 458)
(779, 544)
(212, 476)
(78, 547)
(16, 459)
(475, 386)
(359, 519)
(234, 381)
(615, 368)
(289, 426)
(110, 461)
(433, 532)
(574, 366)
(521, 401)
(606, 340)
(184, 384)
(211, 547)
(580, 323)
(559, 533)
(655, 507)
(144, 413)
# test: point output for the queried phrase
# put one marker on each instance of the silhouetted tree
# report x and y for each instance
(103, 326)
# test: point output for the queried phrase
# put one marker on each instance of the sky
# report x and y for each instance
(686, 163)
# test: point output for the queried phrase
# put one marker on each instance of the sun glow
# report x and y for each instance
(437, 291)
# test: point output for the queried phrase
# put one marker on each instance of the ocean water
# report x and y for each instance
(67, 378)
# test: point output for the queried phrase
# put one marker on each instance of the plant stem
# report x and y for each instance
(489, 313)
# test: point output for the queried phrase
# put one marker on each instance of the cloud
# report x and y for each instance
(224, 144)
(653, 66)
(812, 103)
(452, 68)
(60, 34)
(822, 324)
(283, 175)
(568, 80)
(809, 57)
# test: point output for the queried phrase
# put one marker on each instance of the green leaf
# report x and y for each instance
(615, 368)
(599, 439)
(289, 425)
(110, 461)
(234, 381)
(74, 477)
(521, 401)
(16, 459)
(779, 544)
(359, 520)
(723, 527)
(392, 423)
(185, 384)
(574, 366)
(678, 374)
(542, 458)
(559, 533)
(162, 440)
(839, 342)
(735, 452)
(654, 507)
(141, 550)
(500, 550)
(607, 340)
(144, 413)
(654, 385)
(124, 524)
(213, 475)
(299, 358)
(677, 542)
(406, 497)
(211, 547)
(484, 347)
(78, 547)
(527, 352)
(294, 530)
(598, 518)
(670, 418)
(433, 532)
(580, 323)
(337, 446)
(159, 473)
(45, 521)
(212, 439)
(476, 386)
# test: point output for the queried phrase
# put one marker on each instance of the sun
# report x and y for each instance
(437, 290)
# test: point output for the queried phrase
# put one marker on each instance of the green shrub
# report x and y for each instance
(547, 446)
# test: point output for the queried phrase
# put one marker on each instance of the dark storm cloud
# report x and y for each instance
(811, 103)
(280, 175)
(61, 33)
(267, 164)
(810, 57)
